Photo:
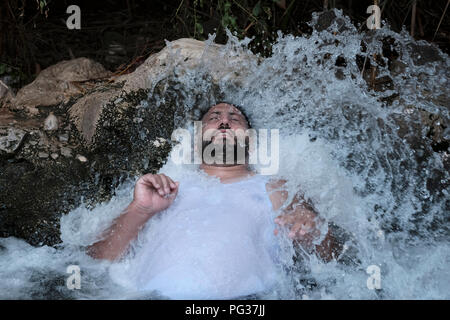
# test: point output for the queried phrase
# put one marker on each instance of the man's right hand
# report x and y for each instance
(154, 193)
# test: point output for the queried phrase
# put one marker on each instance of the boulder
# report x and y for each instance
(192, 54)
(57, 84)
(86, 112)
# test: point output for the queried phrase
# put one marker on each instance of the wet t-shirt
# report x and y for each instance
(215, 241)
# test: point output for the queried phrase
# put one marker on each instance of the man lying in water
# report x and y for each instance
(245, 209)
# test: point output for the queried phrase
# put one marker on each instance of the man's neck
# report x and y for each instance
(227, 173)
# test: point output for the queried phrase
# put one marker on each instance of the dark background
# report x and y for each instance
(122, 34)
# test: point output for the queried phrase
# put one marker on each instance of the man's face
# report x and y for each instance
(225, 119)
(224, 126)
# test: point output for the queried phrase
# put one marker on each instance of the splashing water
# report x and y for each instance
(361, 156)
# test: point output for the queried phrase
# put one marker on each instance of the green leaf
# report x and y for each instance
(257, 9)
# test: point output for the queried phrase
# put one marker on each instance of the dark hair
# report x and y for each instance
(205, 111)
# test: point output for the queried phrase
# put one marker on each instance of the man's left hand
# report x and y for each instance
(303, 225)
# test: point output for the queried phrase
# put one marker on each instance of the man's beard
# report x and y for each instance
(231, 154)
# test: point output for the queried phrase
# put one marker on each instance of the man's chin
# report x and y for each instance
(223, 148)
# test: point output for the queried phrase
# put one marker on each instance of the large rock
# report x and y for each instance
(86, 112)
(57, 84)
(189, 53)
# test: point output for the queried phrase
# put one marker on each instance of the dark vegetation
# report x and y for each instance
(122, 34)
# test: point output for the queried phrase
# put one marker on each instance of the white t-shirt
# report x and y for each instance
(215, 241)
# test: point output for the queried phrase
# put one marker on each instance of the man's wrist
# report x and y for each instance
(140, 211)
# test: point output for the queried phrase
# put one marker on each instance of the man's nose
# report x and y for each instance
(224, 121)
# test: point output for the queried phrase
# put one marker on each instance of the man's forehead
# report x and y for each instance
(223, 107)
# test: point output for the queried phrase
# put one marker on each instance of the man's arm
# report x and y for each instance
(152, 194)
(118, 237)
(303, 222)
